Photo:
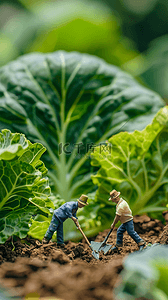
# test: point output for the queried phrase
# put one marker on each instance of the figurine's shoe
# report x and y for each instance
(45, 240)
(114, 249)
(61, 245)
(141, 247)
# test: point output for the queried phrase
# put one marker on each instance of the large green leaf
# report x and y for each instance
(145, 275)
(24, 189)
(137, 166)
(70, 102)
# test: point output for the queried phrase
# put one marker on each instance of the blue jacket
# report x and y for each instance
(67, 210)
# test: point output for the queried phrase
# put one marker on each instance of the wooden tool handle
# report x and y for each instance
(84, 235)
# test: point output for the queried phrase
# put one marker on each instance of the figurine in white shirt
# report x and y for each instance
(124, 214)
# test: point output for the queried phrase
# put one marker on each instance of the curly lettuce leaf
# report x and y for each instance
(24, 189)
(137, 166)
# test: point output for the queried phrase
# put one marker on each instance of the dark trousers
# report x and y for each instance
(55, 225)
(129, 227)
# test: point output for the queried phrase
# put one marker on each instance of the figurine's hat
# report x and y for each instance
(83, 200)
(114, 194)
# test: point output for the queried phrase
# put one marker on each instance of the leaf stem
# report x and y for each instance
(145, 175)
(62, 169)
(142, 202)
(135, 185)
(9, 194)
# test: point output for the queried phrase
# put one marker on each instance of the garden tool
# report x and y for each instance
(96, 246)
(96, 255)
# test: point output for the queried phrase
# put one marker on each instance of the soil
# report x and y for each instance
(30, 269)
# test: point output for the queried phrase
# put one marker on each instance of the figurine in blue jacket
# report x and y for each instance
(65, 211)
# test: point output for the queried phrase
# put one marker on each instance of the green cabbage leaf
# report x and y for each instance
(137, 166)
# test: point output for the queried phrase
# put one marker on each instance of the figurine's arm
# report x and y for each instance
(116, 219)
(75, 220)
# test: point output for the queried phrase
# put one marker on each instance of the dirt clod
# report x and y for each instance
(60, 257)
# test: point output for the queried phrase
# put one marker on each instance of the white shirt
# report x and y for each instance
(123, 210)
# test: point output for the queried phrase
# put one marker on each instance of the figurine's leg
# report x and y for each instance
(60, 239)
(131, 231)
(120, 232)
(52, 228)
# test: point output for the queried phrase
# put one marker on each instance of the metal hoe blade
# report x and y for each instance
(96, 246)
(95, 254)
(105, 248)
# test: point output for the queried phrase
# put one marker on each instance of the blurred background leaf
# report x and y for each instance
(84, 26)
(128, 33)
(142, 21)
(152, 66)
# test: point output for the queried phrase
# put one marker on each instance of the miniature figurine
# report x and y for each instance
(67, 210)
(124, 214)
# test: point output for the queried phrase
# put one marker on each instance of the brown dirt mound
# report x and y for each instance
(30, 268)
(75, 281)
